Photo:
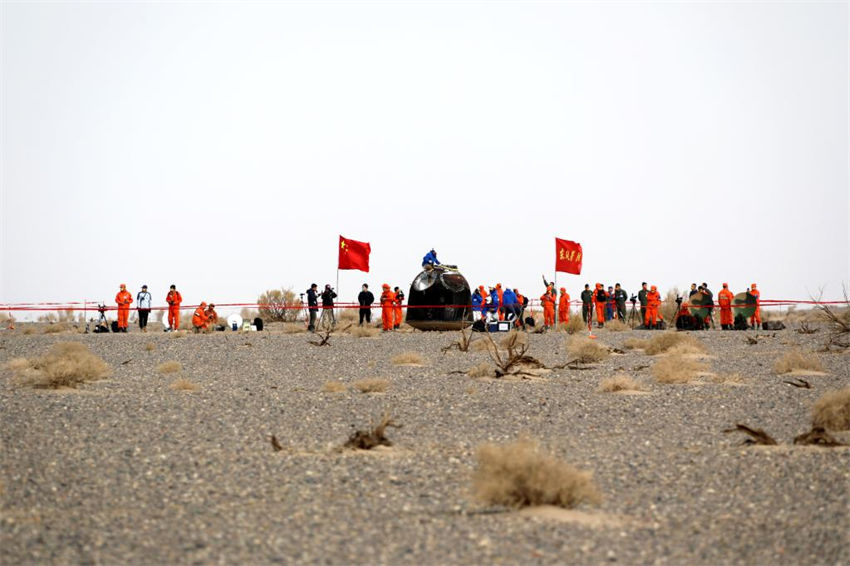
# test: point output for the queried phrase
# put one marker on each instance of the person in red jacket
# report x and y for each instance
(564, 307)
(547, 299)
(653, 302)
(755, 320)
(600, 297)
(724, 299)
(174, 298)
(388, 300)
(200, 319)
(123, 299)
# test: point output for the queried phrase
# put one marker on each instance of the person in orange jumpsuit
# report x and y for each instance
(200, 320)
(548, 301)
(212, 315)
(519, 322)
(724, 299)
(388, 300)
(755, 320)
(123, 299)
(600, 297)
(500, 292)
(564, 307)
(653, 302)
(173, 298)
(398, 315)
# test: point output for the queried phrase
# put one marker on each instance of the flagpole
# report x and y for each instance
(337, 288)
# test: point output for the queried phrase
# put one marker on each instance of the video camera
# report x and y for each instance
(633, 299)
(679, 300)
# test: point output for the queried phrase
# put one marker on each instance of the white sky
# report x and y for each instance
(224, 147)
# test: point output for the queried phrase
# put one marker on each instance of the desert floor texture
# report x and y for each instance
(129, 470)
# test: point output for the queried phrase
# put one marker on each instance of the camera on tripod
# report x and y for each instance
(633, 299)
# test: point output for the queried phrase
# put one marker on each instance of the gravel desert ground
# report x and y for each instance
(131, 470)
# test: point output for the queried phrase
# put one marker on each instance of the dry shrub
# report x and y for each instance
(55, 328)
(278, 305)
(482, 370)
(513, 339)
(616, 325)
(676, 368)
(293, 328)
(373, 385)
(635, 343)
(364, 331)
(520, 474)
(797, 360)
(668, 305)
(29, 329)
(664, 342)
(349, 315)
(376, 436)
(480, 345)
(727, 378)
(620, 382)
(178, 334)
(586, 351)
(169, 367)
(832, 410)
(150, 346)
(333, 387)
(66, 364)
(576, 324)
(183, 384)
(408, 359)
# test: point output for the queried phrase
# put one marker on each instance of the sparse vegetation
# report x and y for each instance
(348, 315)
(169, 367)
(462, 343)
(727, 379)
(666, 341)
(371, 385)
(521, 474)
(364, 331)
(278, 305)
(576, 324)
(178, 334)
(293, 328)
(66, 364)
(586, 351)
(832, 410)
(795, 360)
(409, 359)
(482, 370)
(668, 305)
(617, 383)
(334, 387)
(55, 328)
(514, 361)
(376, 436)
(616, 325)
(676, 368)
(150, 347)
(183, 384)
(838, 323)
(635, 344)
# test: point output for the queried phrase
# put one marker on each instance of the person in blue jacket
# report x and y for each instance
(510, 304)
(477, 301)
(495, 305)
(430, 259)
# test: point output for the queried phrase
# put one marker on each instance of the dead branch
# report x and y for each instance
(462, 343)
(818, 437)
(275, 444)
(324, 339)
(797, 382)
(757, 435)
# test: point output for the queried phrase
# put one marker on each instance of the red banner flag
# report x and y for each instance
(354, 254)
(567, 256)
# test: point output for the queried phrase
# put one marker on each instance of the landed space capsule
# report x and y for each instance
(439, 299)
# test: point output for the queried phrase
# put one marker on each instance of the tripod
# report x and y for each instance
(632, 315)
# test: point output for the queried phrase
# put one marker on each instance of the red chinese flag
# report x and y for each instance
(354, 254)
(567, 256)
